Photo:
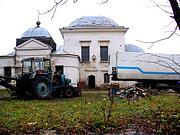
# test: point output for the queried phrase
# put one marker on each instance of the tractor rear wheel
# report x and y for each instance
(42, 87)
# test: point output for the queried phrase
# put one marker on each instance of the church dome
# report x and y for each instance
(93, 21)
(36, 32)
(133, 48)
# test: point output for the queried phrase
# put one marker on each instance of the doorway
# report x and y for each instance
(91, 81)
(7, 73)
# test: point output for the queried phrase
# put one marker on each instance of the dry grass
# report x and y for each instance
(87, 113)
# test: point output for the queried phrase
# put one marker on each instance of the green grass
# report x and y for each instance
(88, 113)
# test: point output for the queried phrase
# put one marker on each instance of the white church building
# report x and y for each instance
(88, 42)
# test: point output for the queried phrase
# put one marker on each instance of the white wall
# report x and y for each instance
(6, 62)
(73, 40)
(72, 44)
(70, 64)
(22, 54)
(32, 48)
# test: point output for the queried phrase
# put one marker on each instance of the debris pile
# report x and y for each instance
(132, 92)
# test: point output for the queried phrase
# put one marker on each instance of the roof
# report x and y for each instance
(133, 48)
(36, 32)
(93, 21)
(60, 51)
(11, 54)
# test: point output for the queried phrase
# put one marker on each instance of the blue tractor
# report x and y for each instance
(37, 81)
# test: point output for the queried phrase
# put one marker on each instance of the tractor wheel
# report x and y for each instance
(42, 87)
(68, 92)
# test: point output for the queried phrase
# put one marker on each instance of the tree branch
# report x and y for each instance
(54, 7)
(62, 2)
(160, 7)
(162, 57)
(104, 1)
(159, 40)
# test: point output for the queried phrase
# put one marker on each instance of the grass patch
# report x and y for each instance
(88, 113)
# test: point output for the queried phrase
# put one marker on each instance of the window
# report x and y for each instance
(85, 53)
(59, 69)
(27, 66)
(106, 78)
(38, 65)
(104, 53)
(47, 65)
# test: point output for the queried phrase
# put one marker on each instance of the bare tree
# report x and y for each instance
(175, 14)
(159, 40)
(176, 11)
(174, 4)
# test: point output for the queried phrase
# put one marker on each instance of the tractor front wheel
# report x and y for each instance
(68, 92)
(42, 87)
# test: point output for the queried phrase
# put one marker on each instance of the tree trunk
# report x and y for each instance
(176, 11)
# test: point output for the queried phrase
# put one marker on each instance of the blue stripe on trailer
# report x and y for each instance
(145, 72)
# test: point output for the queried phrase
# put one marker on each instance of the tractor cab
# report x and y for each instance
(36, 65)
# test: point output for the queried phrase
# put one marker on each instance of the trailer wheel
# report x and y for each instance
(68, 92)
(42, 87)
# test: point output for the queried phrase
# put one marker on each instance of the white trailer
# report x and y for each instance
(149, 69)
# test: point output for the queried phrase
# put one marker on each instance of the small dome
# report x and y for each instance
(133, 48)
(60, 50)
(36, 32)
(93, 21)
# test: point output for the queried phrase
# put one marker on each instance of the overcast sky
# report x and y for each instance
(145, 21)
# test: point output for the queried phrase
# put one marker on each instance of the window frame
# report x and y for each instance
(104, 54)
(85, 54)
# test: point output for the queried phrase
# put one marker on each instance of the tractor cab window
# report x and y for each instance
(38, 65)
(27, 66)
(47, 65)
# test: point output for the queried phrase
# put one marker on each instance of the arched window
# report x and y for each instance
(106, 78)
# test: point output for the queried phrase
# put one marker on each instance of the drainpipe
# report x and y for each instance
(116, 59)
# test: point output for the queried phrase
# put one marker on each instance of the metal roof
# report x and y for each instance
(60, 50)
(133, 48)
(93, 21)
(11, 54)
(36, 32)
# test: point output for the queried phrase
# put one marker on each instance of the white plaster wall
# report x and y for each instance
(6, 62)
(22, 54)
(31, 53)
(70, 64)
(72, 45)
(31, 48)
(96, 69)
